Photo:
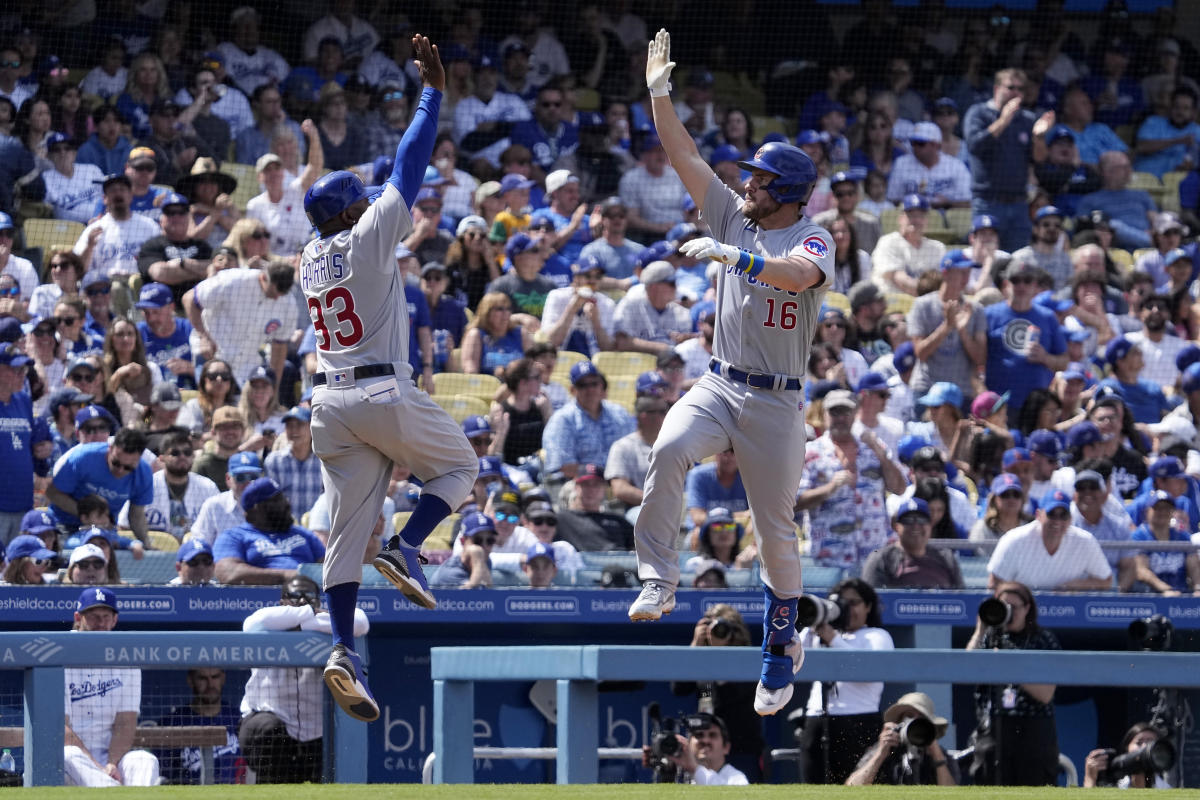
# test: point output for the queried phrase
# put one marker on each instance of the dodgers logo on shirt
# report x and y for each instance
(272, 326)
(816, 246)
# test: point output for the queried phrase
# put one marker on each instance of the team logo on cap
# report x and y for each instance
(272, 326)
(816, 246)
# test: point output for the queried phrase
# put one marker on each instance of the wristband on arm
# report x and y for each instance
(750, 263)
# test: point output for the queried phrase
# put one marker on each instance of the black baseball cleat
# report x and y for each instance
(347, 683)
(402, 566)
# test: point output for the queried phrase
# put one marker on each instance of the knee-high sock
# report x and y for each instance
(342, 600)
(430, 510)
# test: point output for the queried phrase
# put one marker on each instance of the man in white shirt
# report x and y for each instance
(102, 710)
(651, 321)
(580, 317)
(281, 205)
(703, 753)
(247, 63)
(902, 255)
(224, 511)
(652, 192)
(72, 190)
(873, 395)
(179, 494)
(1050, 554)
(111, 244)
(944, 181)
(482, 121)
(1158, 348)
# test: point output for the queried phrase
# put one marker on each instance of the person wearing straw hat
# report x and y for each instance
(210, 193)
(899, 758)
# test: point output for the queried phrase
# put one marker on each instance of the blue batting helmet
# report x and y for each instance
(794, 171)
(331, 195)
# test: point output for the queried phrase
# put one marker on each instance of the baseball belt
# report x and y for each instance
(755, 380)
(343, 378)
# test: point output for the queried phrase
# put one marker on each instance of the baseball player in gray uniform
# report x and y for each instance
(366, 411)
(778, 264)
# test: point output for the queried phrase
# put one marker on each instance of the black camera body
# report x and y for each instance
(1151, 633)
(917, 732)
(813, 611)
(721, 629)
(994, 612)
(1152, 759)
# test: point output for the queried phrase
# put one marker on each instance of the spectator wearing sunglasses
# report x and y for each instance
(28, 560)
(470, 568)
(16, 460)
(65, 273)
(194, 565)
(179, 493)
(720, 540)
(72, 333)
(512, 540)
(88, 567)
(97, 295)
(540, 518)
(1050, 553)
(116, 471)
(174, 258)
(224, 511)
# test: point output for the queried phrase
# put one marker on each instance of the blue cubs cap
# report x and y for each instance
(1005, 482)
(260, 489)
(174, 199)
(1159, 496)
(982, 222)
(1015, 455)
(244, 464)
(957, 259)
(909, 444)
(513, 181)
(96, 597)
(262, 373)
(298, 413)
(539, 550)
(518, 244)
(905, 357)
(871, 381)
(943, 393)
(1083, 434)
(1166, 467)
(155, 295)
(1117, 349)
(431, 178)
(192, 548)
(1059, 132)
(915, 202)
(490, 467)
(1044, 442)
(37, 521)
(1191, 379)
(588, 263)
(650, 383)
(658, 251)
(589, 472)
(913, 505)
(1047, 211)
(725, 152)
(89, 413)
(1055, 498)
(581, 370)
(1075, 371)
(831, 313)
(1077, 334)
(476, 425)
(1190, 354)
(28, 546)
(476, 522)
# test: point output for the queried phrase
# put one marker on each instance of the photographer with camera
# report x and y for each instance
(1016, 741)
(1144, 751)
(907, 752)
(732, 702)
(701, 755)
(841, 719)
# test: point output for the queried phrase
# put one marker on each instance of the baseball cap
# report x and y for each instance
(508, 501)
(915, 202)
(688, 203)
(925, 132)
(1169, 221)
(57, 139)
(650, 383)
(982, 222)
(228, 414)
(192, 548)
(260, 489)
(490, 467)
(94, 278)
(1043, 442)
(1060, 132)
(1190, 381)
(682, 231)
(11, 329)
(470, 222)
(908, 446)
(655, 252)
(1075, 334)
(514, 181)
(809, 136)
(725, 152)
(1047, 211)
(538, 508)
(927, 455)
(116, 177)
(68, 395)
(589, 472)
(475, 425)
(155, 295)
(943, 393)
(871, 381)
(650, 141)
(1083, 476)
(96, 597)
(13, 357)
(581, 370)
(476, 522)
(1015, 455)
(164, 106)
(267, 160)
(86, 551)
(166, 394)
(1166, 467)
(261, 373)
(1055, 498)
(658, 272)
(1160, 496)
(905, 357)
(840, 398)
(588, 263)
(1005, 482)
(29, 546)
(244, 464)
(37, 521)
(717, 515)
(1175, 255)
(1023, 265)
(988, 403)
(518, 244)
(1075, 371)
(431, 267)
(1047, 299)
(1083, 434)
(945, 102)
(173, 199)
(539, 550)
(298, 413)
(863, 293)
(827, 313)
(1117, 349)
(140, 155)
(558, 179)
(913, 505)
(487, 189)
(957, 259)
(428, 193)
(822, 388)
(89, 413)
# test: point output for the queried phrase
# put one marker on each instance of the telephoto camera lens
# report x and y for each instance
(721, 629)
(917, 732)
(994, 612)
(813, 611)
(1152, 633)
(1152, 759)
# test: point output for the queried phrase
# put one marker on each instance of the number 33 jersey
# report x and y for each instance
(355, 293)
(761, 328)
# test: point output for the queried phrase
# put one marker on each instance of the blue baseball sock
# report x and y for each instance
(342, 600)
(779, 621)
(430, 510)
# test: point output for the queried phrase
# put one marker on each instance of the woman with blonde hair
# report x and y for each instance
(127, 373)
(146, 86)
(493, 340)
(217, 388)
(260, 406)
(251, 241)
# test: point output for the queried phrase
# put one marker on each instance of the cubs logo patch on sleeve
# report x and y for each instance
(815, 246)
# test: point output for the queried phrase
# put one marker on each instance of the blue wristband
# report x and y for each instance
(751, 264)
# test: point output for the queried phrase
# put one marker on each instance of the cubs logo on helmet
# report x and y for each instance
(813, 245)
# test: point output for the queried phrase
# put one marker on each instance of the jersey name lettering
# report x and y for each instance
(324, 269)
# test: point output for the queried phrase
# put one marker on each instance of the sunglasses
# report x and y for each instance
(846, 193)
(201, 561)
(247, 477)
(1087, 486)
(175, 211)
(543, 520)
(882, 395)
(588, 385)
(833, 325)
(43, 331)
(12, 291)
(59, 264)
(390, 96)
(117, 466)
(1011, 495)
(912, 521)
(90, 563)
(66, 320)
(485, 540)
(303, 597)
(40, 562)
(102, 429)
(513, 518)
(96, 291)
(550, 104)
(220, 376)
(260, 235)
(1059, 515)
(479, 440)
(82, 375)
(177, 453)
(1019, 279)
(725, 527)
(10, 64)
(146, 168)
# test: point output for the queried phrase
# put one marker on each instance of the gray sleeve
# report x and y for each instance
(721, 209)
(380, 229)
(874, 572)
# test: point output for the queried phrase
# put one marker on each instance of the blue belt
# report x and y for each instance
(755, 380)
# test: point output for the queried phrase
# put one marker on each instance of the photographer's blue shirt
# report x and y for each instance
(16, 454)
(269, 550)
(84, 470)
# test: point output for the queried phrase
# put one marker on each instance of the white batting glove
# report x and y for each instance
(659, 64)
(708, 249)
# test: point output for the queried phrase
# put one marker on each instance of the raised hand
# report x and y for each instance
(659, 64)
(708, 249)
(429, 63)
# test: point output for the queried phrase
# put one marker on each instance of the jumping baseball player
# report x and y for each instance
(366, 410)
(778, 264)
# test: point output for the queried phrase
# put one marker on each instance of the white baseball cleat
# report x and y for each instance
(655, 600)
(775, 687)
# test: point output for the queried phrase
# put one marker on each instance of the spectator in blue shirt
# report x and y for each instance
(1166, 474)
(1130, 211)
(583, 431)
(1117, 95)
(16, 433)
(1145, 400)
(717, 484)
(616, 252)
(166, 335)
(447, 317)
(572, 225)
(114, 471)
(267, 548)
(297, 470)
(1173, 572)
(107, 148)
(1091, 137)
(549, 136)
(1169, 143)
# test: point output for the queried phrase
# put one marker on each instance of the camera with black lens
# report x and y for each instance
(663, 744)
(917, 732)
(720, 629)
(813, 611)
(1151, 633)
(1152, 759)
(994, 612)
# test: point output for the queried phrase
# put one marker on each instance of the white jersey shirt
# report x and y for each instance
(103, 85)
(1158, 357)
(355, 293)
(23, 272)
(217, 514)
(471, 112)
(116, 253)
(636, 317)
(358, 39)
(251, 70)
(173, 516)
(74, 198)
(1021, 556)
(94, 696)
(232, 106)
(240, 318)
(947, 179)
(850, 698)
(286, 220)
(556, 305)
(760, 328)
(895, 253)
